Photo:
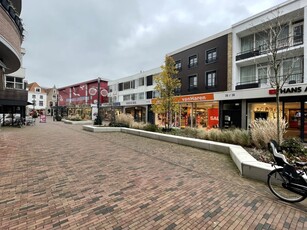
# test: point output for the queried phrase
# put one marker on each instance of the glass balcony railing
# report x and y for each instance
(265, 82)
(266, 47)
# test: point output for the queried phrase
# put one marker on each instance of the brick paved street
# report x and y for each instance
(57, 176)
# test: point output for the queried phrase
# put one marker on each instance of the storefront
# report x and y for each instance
(196, 111)
(240, 113)
(139, 109)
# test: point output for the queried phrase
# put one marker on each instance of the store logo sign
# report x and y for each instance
(288, 90)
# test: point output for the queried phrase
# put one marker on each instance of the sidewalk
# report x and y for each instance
(57, 176)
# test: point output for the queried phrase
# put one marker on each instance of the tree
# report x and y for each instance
(166, 84)
(273, 40)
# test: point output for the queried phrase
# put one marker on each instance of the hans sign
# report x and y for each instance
(290, 90)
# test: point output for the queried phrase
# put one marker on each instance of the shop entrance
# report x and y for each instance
(294, 113)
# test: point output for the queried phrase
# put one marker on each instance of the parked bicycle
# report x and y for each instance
(287, 181)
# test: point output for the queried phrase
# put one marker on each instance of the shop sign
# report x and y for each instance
(290, 90)
(213, 117)
(195, 98)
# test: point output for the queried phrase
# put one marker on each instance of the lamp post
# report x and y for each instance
(98, 119)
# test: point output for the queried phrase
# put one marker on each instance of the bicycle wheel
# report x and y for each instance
(275, 181)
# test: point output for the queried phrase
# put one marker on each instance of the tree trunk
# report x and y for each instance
(278, 116)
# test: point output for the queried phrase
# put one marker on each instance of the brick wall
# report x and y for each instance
(9, 31)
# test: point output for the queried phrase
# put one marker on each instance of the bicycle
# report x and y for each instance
(287, 181)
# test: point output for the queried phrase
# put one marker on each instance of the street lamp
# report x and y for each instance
(98, 119)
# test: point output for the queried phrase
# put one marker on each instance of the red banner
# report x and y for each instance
(213, 118)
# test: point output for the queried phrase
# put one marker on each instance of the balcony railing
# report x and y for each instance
(262, 49)
(292, 79)
(11, 11)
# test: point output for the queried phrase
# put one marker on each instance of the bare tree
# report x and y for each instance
(274, 39)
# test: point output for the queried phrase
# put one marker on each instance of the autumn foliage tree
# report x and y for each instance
(166, 84)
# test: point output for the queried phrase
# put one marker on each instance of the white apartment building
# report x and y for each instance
(252, 95)
(133, 94)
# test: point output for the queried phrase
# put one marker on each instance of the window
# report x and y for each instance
(126, 97)
(262, 41)
(33, 96)
(41, 103)
(141, 96)
(133, 84)
(41, 97)
(298, 33)
(149, 95)
(283, 37)
(14, 82)
(178, 65)
(211, 79)
(37, 90)
(50, 103)
(120, 87)
(127, 85)
(248, 74)
(192, 61)
(247, 43)
(141, 81)
(193, 82)
(149, 80)
(133, 96)
(211, 56)
(156, 94)
(262, 72)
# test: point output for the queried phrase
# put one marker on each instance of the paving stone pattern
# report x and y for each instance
(57, 176)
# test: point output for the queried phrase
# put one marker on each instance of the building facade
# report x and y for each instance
(79, 98)
(37, 97)
(13, 94)
(204, 67)
(52, 95)
(253, 95)
(133, 94)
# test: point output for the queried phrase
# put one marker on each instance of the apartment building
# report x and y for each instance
(204, 67)
(13, 94)
(133, 94)
(254, 44)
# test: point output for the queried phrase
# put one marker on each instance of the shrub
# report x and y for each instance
(262, 131)
(74, 118)
(293, 146)
(189, 132)
(126, 119)
(137, 125)
(151, 128)
(115, 124)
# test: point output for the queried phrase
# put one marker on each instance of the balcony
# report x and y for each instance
(13, 14)
(263, 49)
(265, 82)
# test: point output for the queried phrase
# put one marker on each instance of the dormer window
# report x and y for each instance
(37, 90)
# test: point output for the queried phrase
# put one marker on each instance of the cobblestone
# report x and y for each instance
(55, 175)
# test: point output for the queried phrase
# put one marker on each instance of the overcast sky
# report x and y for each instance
(70, 41)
